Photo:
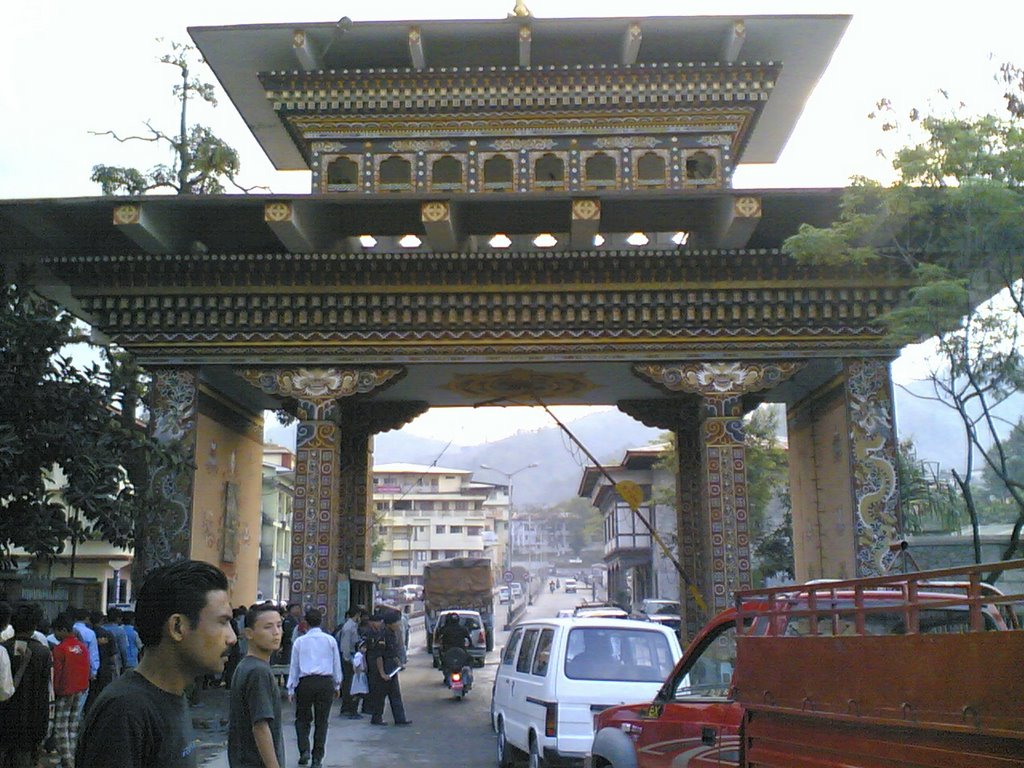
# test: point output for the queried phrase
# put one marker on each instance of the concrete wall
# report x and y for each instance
(824, 544)
(226, 517)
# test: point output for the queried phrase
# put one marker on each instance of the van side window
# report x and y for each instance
(711, 672)
(510, 647)
(543, 656)
(526, 650)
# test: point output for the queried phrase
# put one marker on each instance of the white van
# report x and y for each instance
(555, 675)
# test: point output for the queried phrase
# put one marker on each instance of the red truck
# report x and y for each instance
(921, 670)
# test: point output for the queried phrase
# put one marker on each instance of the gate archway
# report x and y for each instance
(663, 293)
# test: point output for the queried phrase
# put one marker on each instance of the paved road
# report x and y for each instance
(444, 731)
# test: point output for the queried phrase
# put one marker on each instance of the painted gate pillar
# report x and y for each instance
(723, 468)
(333, 496)
(163, 532)
(843, 478)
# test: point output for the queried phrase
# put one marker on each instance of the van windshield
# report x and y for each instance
(605, 653)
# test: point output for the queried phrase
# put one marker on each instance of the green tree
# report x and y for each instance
(66, 454)
(1001, 507)
(199, 160)
(954, 221)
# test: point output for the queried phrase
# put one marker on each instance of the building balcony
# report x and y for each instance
(627, 543)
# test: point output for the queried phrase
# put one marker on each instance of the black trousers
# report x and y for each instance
(313, 698)
(389, 689)
(348, 704)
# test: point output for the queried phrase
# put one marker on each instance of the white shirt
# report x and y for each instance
(314, 653)
(6, 678)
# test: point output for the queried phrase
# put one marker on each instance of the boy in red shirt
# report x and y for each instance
(70, 681)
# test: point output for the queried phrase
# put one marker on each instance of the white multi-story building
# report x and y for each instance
(276, 528)
(424, 513)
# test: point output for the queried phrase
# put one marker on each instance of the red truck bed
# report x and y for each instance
(945, 691)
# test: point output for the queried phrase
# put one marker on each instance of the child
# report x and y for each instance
(360, 683)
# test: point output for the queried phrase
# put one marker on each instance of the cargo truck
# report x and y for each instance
(461, 582)
(906, 670)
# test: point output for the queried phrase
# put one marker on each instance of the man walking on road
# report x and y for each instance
(254, 729)
(383, 660)
(348, 638)
(314, 679)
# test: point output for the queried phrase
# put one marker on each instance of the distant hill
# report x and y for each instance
(934, 428)
(607, 434)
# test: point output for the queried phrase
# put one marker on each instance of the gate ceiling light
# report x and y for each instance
(638, 238)
(680, 238)
(410, 241)
(598, 240)
(545, 241)
(367, 241)
(500, 241)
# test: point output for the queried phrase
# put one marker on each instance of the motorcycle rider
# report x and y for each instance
(455, 640)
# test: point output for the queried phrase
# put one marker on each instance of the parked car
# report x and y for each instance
(570, 586)
(504, 595)
(665, 612)
(412, 591)
(555, 674)
(599, 611)
(470, 620)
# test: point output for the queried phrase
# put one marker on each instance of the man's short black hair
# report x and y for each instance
(25, 618)
(63, 621)
(96, 617)
(182, 588)
(253, 614)
(292, 605)
(314, 617)
(113, 614)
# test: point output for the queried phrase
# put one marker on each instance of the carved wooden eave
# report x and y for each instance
(801, 44)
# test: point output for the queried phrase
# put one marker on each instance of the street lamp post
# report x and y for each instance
(508, 476)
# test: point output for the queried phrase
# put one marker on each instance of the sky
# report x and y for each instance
(68, 67)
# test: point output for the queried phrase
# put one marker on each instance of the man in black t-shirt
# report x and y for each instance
(141, 720)
(254, 729)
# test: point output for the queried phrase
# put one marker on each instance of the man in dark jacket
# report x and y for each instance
(26, 715)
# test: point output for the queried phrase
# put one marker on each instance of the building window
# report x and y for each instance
(421, 556)
(438, 529)
(600, 170)
(498, 173)
(474, 530)
(549, 172)
(395, 174)
(450, 553)
(446, 173)
(435, 554)
(700, 166)
(455, 529)
(343, 173)
(651, 169)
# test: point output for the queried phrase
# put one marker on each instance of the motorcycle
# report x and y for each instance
(458, 672)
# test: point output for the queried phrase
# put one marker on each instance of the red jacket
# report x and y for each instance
(70, 667)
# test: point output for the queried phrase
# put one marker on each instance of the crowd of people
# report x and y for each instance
(113, 690)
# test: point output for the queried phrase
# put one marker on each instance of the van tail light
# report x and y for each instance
(481, 638)
(551, 719)
(456, 677)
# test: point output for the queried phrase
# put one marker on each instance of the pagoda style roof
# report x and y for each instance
(244, 57)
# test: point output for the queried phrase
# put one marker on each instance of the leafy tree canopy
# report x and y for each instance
(66, 451)
(954, 221)
(200, 161)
